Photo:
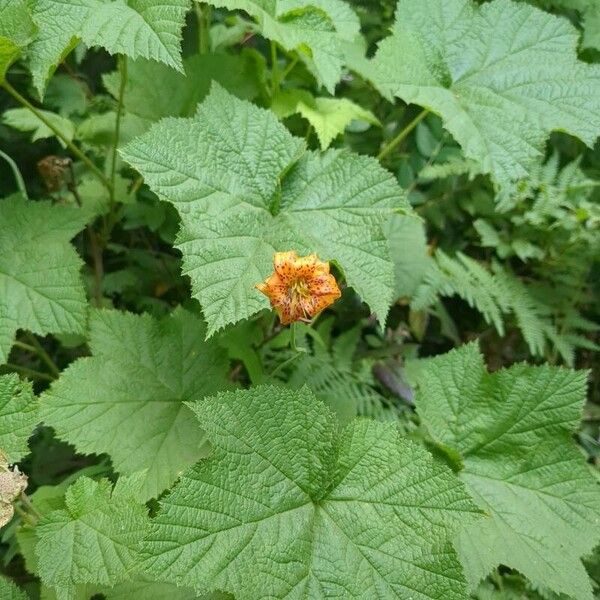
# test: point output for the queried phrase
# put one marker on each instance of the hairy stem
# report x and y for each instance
(398, 139)
(113, 163)
(74, 149)
(18, 177)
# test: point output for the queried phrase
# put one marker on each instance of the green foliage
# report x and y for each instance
(329, 116)
(18, 416)
(137, 28)
(129, 398)
(163, 435)
(512, 430)
(499, 97)
(98, 531)
(9, 591)
(317, 29)
(16, 30)
(237, 214)
(40, 286)
(325, 511)
(24, 120)
(548, 221)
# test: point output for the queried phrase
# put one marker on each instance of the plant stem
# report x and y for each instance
(76, 151)
(96, 251)
(203, 14)
(29, 372)
(95, 247)
(16, 173)
(30, 507)
(284, 364)
(289, 68)
(274, 69)
(113, 164)
(39, 349)
(402, 135)
(293, 342)
(29, 519)
(25, 346)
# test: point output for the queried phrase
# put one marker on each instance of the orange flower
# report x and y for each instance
(300, 288)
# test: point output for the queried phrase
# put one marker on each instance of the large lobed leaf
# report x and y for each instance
(128, 398)
(18, 416)
(246, 188)
(94, 539)
(513, 432)
(499, 95)
(136, 28)
(288, 507)
(40, 286)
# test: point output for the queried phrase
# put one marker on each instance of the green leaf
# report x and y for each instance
(245, 189)
(145, 589)
(24, 120)
(513, 430)
(127, 399)
(499, 96)
(18, 416)
(94, 539)
(408, 247)
(40, 285)
(135, 28)
(9, 591)
(287, 507)
(331, 116)
(316, 29)
(239, 74)
(465, 277)
(16, 31)
(591, 26)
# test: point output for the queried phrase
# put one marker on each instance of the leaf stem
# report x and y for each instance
(113, 164)
(29, 505)
(41, 352)
(25, 346)
(274, 69)
(76, 151)
(29, 519)
(284, 364)
(203, 14)
(289, 68)
(16, 173)
(398, 139)
(29, 372)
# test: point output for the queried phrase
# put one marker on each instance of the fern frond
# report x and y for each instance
(464, 277)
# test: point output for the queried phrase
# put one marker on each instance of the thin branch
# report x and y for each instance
(113, 164)
(28, 372)
(96, 249)
(91, 166)
(402, 135)
(24, 346)
(289, 68)
(41, 352)
(274, 69)
(203, 16)
(16, 173)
